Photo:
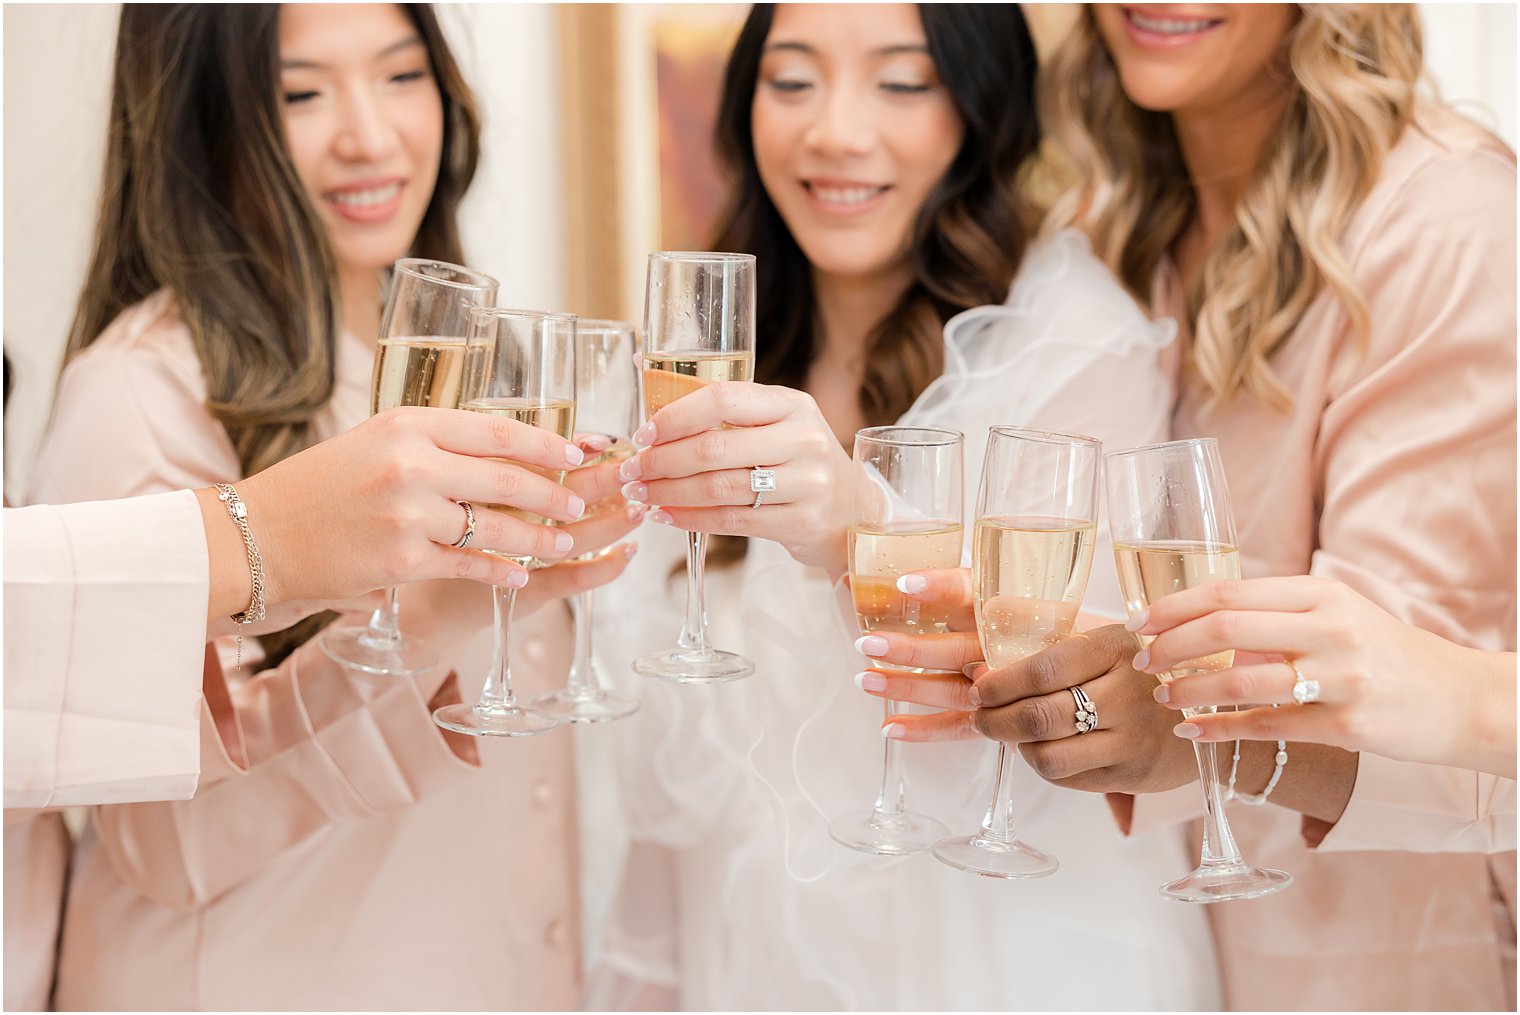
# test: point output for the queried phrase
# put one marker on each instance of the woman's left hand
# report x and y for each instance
(700, 450)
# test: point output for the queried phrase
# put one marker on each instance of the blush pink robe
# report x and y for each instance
(1394, 471)
(340, 851)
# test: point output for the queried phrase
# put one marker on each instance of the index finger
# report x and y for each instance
(1280, 594)
(1073, 661)
(484, 434)
(696, 406)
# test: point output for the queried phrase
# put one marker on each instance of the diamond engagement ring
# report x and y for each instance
(761, 482)
(469, 525)
(1087, 712)
(1304, 690)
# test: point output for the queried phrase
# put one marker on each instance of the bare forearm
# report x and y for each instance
(1316, 781)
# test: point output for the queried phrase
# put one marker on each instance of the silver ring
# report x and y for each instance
(1304, 690)
(761, 482)
(469, 525)
(1087, 712)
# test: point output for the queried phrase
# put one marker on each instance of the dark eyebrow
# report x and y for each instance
(393, 48)
(802, 47)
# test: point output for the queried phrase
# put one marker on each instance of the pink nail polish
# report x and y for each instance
(576, 506)
(893, 730)
(630, 549)
(630, 470)
(869, 681)
(975, 696)
(1186, 730)
(661, 516)
(1142, 659)
(912, 584)
(1136, 622)
(873, 645)
(564, 542)
(644, 435)
(574, 455)
(1162, 694)
(636, 510)
(517, 579)
(636, 491)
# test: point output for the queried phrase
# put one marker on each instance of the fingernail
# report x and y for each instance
(975, 696)
(596, 441)
(1136, 622)
(912, 584)
(893, 730)
(1162, 693)
(973, 670)
(873, 645)
(660, 515)
(1142, 659)
(870, 681)
(636, 510)
(644, 435)
(564, 542)
(630, 469)
(576, 506)
(517, 579)
(636, 491)
(1186, 730)
(574, 455)
(629, 550)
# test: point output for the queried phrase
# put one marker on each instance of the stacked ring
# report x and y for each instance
(469, 525)
(1087, 712)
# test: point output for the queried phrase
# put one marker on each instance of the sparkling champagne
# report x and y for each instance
(417, 371)
(555, 416)
(669, 375)
(879, 556)
(1028, 577)
(1150, 570)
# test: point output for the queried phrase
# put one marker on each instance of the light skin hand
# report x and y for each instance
(697, 457)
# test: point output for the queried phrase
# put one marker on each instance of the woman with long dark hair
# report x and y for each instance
(880, 157)
(266, 165)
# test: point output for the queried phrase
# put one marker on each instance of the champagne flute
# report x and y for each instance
(419, 361)
(607, 402)
(907, 517)
(699, 327)
(1169, 509)
(520, 364)
(1032, 549)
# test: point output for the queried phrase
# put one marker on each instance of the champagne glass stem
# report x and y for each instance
(891, 801)
(998, 824)
(694, 631)
(582, 679)
(497, 692)
(385, 622)
(1218, 842)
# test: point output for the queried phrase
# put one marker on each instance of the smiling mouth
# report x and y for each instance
(844, 196)
(1170, 26)
(368, 198)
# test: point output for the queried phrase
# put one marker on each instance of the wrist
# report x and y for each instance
(230, 577)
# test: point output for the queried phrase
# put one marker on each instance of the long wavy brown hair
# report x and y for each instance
(1353, 70)
(969, 236)
(201, 197)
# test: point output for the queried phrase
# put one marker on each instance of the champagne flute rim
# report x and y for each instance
(701, 257)
(1045, 436)
(559, 317)
(1190, 442)
(413, 266)
(877, 435)
(602, 326)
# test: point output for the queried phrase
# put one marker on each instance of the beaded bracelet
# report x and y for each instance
(238, 511)
(1281, 761)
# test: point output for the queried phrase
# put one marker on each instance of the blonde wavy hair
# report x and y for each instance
(1353, 70)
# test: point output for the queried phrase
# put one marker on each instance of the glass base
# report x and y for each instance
(898, 834)
(585, 707)
(497, 721)
(688, 666)
(1224, 882)
(358, 648)
(976, 854)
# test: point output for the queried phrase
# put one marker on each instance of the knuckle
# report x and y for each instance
(712, 447)
(1033, 721)
(718, 486)
(507, 482)
(1220, 627)
(1239, 687)
(1043, 762)
(1225, 593)
(1044, 674)
(732, 519)
(501, 432)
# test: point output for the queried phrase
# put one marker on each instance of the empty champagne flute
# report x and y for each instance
(907, 517)
(1169, 510)
(1032, 550)
(520, 364)
(699, 327)
(607, 403)
(419, 361)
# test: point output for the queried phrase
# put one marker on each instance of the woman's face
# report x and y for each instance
(364, 120)
(852, 130)
(1184, 58)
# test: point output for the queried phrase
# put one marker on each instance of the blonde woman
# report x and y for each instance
(1341, 257)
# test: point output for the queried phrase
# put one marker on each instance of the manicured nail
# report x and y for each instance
(596, 441)
(661, 516)
(1162, 694)
(636, 510)
(873, 645)
(574, 455)
(630, 470)
(869, 680)
(912, 584)
(1186, 730)
(575, 506)
(636, 491)
(1142, 659)
(975, 696)
(644, 435)
(517, 579)
(629, 550)
(893, 730)
(1136, 622)
(564, 542)
(972, 671)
